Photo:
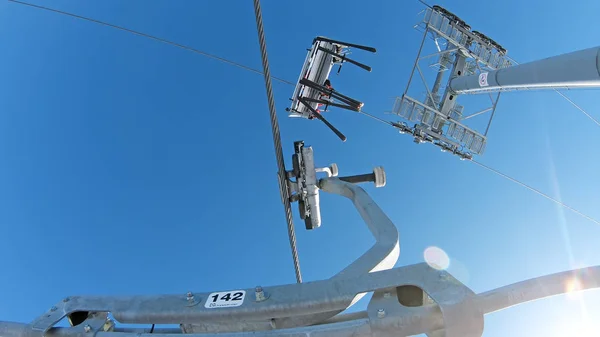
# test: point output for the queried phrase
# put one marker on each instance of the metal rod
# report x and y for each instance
(416, 61)
(440, 75)
(367, 48)
(345, 59)
(579, 69)
(425, 83)
(346, 107)
(492, 116)
(322, 119)
(441, 52)
(477, 113)
(361, 178)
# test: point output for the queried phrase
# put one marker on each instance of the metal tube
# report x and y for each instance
(343, 329)
(419, 320)
(361, 178)
(440, 74)
(384, 254)
(539, 287)
(492, 116)
(416, 61)
(579, 69)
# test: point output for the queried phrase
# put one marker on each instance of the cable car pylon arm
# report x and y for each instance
(579, 69)
(473, 63)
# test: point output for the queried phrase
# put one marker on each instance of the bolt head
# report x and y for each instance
(381, 313)
(53, 309)
(259, 294)
(87, 328)
(387, 295)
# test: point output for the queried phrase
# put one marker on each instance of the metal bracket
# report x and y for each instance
(439, 119)
(303, 183)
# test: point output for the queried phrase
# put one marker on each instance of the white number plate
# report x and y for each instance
(224, 299)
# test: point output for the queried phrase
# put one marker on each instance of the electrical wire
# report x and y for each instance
(169, 42)
(536, 191)
(376, 118)
(283, 187)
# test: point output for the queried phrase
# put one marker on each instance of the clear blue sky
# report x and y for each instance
(131, 167)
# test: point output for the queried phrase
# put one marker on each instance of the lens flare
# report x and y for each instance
(572, 287)
(436, 258)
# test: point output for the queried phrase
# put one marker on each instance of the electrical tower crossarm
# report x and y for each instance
(579, 69)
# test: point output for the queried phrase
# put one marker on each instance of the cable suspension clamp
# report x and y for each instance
(303, 183)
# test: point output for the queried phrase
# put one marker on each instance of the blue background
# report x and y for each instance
(128, 166)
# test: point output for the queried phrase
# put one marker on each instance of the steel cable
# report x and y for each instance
(535, 191)
(283, 187)
(159, 39)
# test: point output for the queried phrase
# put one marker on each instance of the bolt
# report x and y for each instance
(87, 328)
(381, 313)
(444, 276)
(109, 325)
(260, 294)
(190, 296)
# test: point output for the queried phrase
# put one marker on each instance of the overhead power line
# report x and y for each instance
(159, 39)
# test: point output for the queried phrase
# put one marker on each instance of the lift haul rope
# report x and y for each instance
(283, 187)
(275, 124)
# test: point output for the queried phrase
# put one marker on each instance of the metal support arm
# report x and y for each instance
(384, 254)
(408, 300)
(277, 307)
(385, 316)
(579, 69)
